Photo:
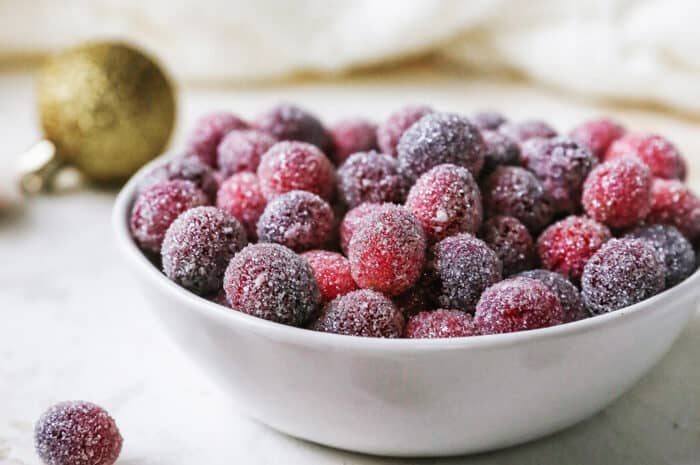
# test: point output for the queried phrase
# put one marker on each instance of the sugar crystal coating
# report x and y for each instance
(522, 131)
(242, 197)
(370, 177)
(77, 433)
(514, 191)
(446, 200)
(676, 251)
(352, 135)
(511, 241)
(242, 150)
(562, 166)
(186, 168)
(517, 304)
(270, 281)
(332, 272)
(658, 153)
(361, 313)
(622, 273)
(157, 207)
(440, 323)
(618, 192)
(208, 132)
(597, 135)
(439, 138)
(500, 150)
(352, 220)
(290, 166)
(672, 202)
(299, 220)
(463, 267)
(568, 244)
(292, 123)
(568, 294)
(198, 246)
(389, 133)
(420, 297)
(488, 120)
(387, 250)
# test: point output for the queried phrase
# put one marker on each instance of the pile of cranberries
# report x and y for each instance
(428, 225)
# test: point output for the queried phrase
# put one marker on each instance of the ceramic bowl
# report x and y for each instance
(413, 397)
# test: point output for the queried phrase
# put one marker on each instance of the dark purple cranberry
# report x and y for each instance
(361, 313)
(568, 294)
(500, 150)
(242, 150)
(389, 133)
(289, 122)
(370, 177)
(488, 120)
(528, 129)
(186, 168)
(511, 241)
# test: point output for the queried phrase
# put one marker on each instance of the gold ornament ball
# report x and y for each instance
(107, 107)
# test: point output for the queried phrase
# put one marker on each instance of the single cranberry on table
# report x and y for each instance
(198, 247)
(286, 122)
(185, 168)
(439, 138)
(617, 193)
(77, 433)
(441, 323)
(270, 281)
(370, 177)
(597, 135)
(361, 313)
(290, 166)
(351, 136)
(390, 132)
(568, 244)
(157, 207)
(299, 220)
(208, 132)
(387, 250)
(522, 131)
(658, 153)
(500, 150)
(517, 304)
(463, 267)
(241, 150)
(568, 294)
(241, 196)
(511, 241)
(446, 200)
(332, 272)
(673, 203)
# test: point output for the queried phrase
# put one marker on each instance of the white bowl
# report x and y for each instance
(413, 397)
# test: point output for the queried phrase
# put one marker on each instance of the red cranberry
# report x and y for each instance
(569, 296)
(77, 433)
(659, 154)
(528, 129)
(242, 197)
(517, 304)
(370, 177)
(241, 151)
(289, 122)
(352, 220)
(511, 241)
(389, 133)
(208, 132)
(352, 136)
(618, 193)
(597, 135)
(332, 272)
(674, 203)
(361, 313)
(440, 323)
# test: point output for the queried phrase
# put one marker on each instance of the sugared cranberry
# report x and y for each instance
(389, 133)
(289, 122)
(208, 132)
(332, 272)
(242, 197)
(463, 267)
(352, 220)
(387, 250)
(500, 150)
(517, 304)
(371, 177)
(77, 433)
(439, 138)
(562, 165)
(672, 202)
(488, 120)
(270, 281)
(185, 168)
(420, 297)
(658, 153)
(622, 273)
(440, 323)
(514, 191)
(527, 129)
(361, 313)
(676, 251)
(290, 166)
(568, 294)
(446, 200)
(511, 241)
(351, 136)
(567, 245)
(242, 150)
(299, 220)
(618, 192)
(597, 135)
(158, 206)
(198, 246)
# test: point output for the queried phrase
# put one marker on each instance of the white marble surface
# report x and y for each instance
(73, 325)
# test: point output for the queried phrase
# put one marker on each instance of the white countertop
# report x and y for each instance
(74, 326)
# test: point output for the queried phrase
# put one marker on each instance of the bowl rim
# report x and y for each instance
(301, 336)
